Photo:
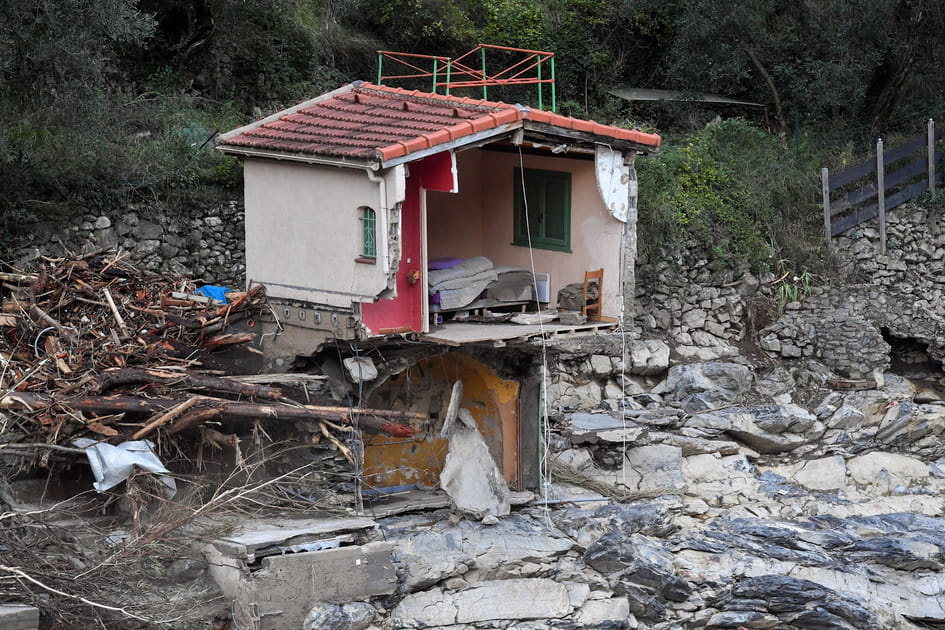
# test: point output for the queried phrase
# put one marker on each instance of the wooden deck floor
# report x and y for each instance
(498, 335)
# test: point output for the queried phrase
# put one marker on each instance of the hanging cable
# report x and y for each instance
(544, 429)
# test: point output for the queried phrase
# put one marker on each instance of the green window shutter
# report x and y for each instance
(368, 232)
(548, 211)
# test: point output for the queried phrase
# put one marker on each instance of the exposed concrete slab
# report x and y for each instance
(18, 617)
(258, 537)
(280, 594)
(277, 592)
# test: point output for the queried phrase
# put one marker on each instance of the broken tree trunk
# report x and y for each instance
(121, 376)
(371, 420)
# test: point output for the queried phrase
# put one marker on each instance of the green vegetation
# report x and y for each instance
(102, 103)
(739, 191)
(793, 288)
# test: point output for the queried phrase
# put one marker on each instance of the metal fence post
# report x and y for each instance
(825, 180)
(931, 156)
(881, 195)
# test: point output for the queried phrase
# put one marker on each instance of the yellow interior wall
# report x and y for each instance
(425, 388)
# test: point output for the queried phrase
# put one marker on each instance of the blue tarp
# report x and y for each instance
(214, 292)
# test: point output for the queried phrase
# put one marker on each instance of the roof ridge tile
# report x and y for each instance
(382, 122)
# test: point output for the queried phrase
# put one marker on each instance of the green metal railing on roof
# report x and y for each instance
(527, 70)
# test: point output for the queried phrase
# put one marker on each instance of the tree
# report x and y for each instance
(832, 60)
(60, 67)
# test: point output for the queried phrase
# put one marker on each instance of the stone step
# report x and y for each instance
(19, 617)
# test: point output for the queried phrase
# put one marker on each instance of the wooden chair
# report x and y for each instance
(593, 304)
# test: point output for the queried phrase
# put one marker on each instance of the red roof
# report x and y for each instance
(375, 122)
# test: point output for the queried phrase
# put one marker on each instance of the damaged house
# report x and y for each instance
(432, 232)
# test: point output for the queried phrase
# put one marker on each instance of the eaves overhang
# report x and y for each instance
(301, 157)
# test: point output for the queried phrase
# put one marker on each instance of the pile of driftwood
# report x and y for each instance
(92, 347)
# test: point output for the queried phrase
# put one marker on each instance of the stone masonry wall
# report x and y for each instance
(900, 295)
(703, 314)
(699, 311)
(207, 245)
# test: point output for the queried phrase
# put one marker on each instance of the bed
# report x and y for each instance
(472, 283)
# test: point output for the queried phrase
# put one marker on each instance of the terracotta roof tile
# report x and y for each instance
(371, 122)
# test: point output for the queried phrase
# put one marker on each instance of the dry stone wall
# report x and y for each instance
(873, 300)
(207, 244)
(700, 311)
(896, 296)
(686, 309)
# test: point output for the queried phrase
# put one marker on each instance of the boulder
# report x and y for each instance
(641, 601)
(798, 603)
(898, 552)
(425, 609)
(537, 598)
(655, 468)
(725, 481)
(845, 417)
(777, 381)
(648, 357)
(742, 423)
(701, 386)
(603, 613)
(743, 619)
(600, 365)
(428, 558)
(651, 518)
(512, 540)
(826, 474)
(887, 471)
(638, 561)
(351, 616)
(470, 476)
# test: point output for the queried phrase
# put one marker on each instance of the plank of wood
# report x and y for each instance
(854, 219)
(907, 173)
(287, 378)
(853, 198)
(905, 149)
(906, 194)
(852, 174)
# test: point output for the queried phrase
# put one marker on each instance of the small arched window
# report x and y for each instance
(368, 233)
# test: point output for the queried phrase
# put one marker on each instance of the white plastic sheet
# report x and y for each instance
(113, 464)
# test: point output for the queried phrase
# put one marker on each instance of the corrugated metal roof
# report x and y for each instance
(369, 122)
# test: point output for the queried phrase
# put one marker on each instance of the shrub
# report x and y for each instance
(734, 188)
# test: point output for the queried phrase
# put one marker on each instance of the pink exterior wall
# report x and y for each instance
(478, 221)
(303, 232)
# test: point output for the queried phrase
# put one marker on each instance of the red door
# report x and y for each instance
(404, 313)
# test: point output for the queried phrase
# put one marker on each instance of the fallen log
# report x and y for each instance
(114, 377)
(371, 420)
(22, 278)
(228, 339)
(165, 417)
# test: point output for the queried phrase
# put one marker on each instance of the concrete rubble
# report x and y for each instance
(688, 485)
(775, 527)
(470, 475)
